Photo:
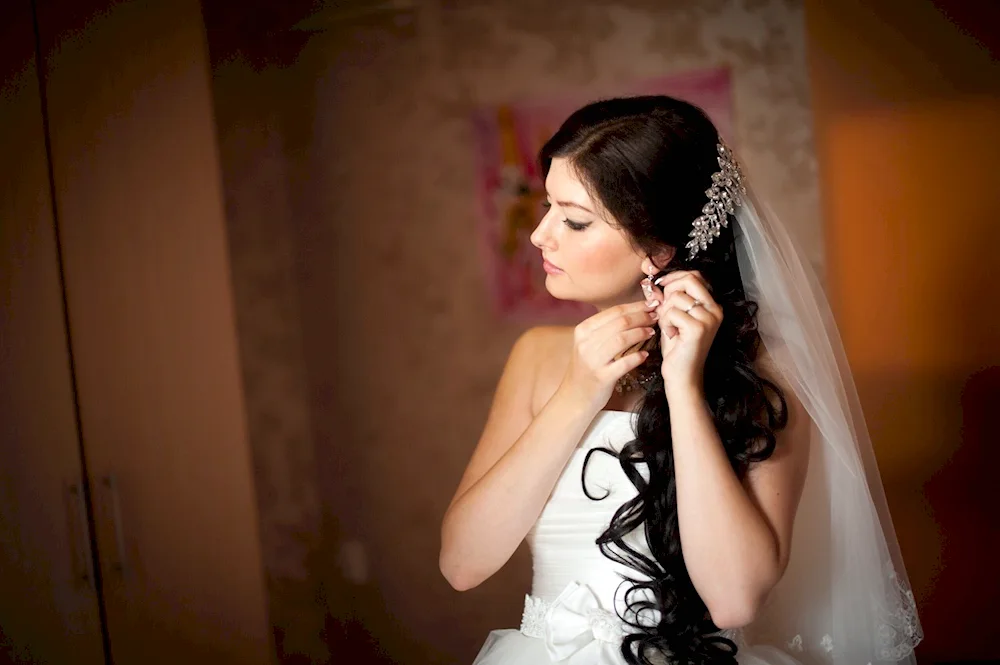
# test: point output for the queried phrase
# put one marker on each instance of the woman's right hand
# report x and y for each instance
(594, 365)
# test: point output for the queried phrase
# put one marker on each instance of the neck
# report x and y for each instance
(632, 296)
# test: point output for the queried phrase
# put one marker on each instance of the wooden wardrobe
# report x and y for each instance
(128, 521)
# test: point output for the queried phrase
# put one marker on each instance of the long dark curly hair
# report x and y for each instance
(649, 161)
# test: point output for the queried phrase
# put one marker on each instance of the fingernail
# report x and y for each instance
(652, 303)
(657, 281)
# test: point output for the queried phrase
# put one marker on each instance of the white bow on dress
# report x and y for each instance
(578, 631)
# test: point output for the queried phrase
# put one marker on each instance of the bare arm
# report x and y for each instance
(735, 538)
(520, 458)
(512, 471)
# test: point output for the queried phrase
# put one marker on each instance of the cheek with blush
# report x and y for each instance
(607, 267)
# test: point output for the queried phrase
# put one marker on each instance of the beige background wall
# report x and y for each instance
(352, 202)
(371, 357)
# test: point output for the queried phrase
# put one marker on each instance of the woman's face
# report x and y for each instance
(593, 261)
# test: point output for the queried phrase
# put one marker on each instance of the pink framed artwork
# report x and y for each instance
(507, 139)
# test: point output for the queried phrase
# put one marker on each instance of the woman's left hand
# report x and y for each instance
(686, 333)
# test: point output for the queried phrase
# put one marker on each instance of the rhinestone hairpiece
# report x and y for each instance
(725, 194)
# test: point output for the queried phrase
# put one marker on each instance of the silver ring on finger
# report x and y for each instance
(693, 305)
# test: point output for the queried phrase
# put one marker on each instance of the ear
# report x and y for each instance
(663, 258)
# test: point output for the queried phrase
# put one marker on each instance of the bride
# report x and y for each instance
(689, 465)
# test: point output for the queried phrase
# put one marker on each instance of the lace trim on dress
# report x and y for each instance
(533, 617)
(605, 625)
(898, 634)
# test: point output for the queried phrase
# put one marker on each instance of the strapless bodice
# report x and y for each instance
(572, 615)
(562, 540)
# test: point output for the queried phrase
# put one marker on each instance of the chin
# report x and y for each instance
(572, 295)
(560, 289)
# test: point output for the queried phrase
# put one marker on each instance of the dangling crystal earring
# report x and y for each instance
(647, 284)
(640, 377)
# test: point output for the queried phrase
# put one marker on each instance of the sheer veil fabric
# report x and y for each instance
(845, 598)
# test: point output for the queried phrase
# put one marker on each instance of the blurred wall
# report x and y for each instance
(371, 359)
(906, 97)
(401, 351)
(255, 91)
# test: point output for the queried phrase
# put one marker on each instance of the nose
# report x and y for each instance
(540, 237)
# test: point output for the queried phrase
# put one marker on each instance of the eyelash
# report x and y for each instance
(573, 226)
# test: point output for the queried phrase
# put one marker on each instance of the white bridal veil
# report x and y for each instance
(845, 598)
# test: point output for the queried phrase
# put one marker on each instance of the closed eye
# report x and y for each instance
(573, 226)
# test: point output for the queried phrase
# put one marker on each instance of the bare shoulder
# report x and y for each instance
(537, 345)
(552, 347)
(538, 354)
(553, 340)
(514, 400)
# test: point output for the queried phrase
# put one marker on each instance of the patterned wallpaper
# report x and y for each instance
(370, 353)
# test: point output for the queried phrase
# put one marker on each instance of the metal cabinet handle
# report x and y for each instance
(119, 563)
(85, 575)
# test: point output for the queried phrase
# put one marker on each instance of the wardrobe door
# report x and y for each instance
(151, 314)
(48, 602)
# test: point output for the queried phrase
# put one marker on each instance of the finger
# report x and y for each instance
(646, 317)
(619, 343)
(596, 321)
(666, 327)
(641, 345)
(627, 363)
(685, 304)
(684, 322)
(672, 277)
(689, 283)
(693, 288)
(700, 311)
(678, 274)
(678, 300)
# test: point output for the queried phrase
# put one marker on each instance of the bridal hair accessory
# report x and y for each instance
(725, 194)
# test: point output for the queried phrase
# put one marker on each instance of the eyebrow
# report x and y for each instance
(570, 204)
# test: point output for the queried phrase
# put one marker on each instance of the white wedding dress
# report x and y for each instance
(570, 616)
